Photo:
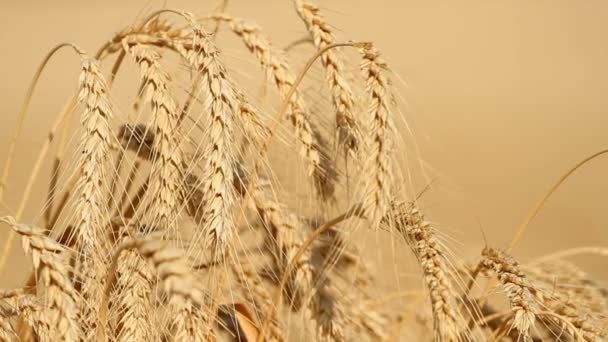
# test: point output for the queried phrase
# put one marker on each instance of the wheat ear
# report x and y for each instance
(90, 208)
(420, 236)
(59, 322)
(221, 103)
(313, 148)
(348, 132)
(132, 303)
(517, 288)
(377, 169)
(167, 159)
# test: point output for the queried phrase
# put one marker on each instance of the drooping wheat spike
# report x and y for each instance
(420, 236)
(90, 208)
(58, 322)
(377, 167)
(517, 288)
(190, 324)
(347, 129)
(221, 104)
(132, 308)
(313, 147)
(167, 158)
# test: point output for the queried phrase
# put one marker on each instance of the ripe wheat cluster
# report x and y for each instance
(167, 221)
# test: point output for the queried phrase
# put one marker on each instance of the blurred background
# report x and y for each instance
(502, 97)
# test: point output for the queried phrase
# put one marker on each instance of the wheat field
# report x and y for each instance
(293, 171)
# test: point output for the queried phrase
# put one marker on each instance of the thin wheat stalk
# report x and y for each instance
(348, 132)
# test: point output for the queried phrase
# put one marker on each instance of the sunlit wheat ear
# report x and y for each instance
(188, 321)
(517, 288)
(58, 322)
(313, 149)
(567, 317)
(167, 159)
(420, 236)
(377, 167)
(347, 129)
(132, 309)
(221, 105)
(90, 211)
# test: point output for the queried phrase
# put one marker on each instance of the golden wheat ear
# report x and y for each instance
(222, 106)
(57, 321)
(313, 148)
(419, 234)
(166, 173)
(516, 286)
(347, 128)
